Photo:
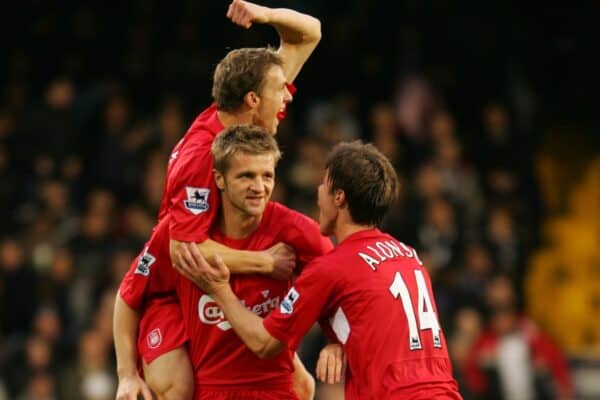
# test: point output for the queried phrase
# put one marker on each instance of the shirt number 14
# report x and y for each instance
(427, 317)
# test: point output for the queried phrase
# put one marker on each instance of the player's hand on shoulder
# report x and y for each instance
(284, 261)
(331, 365)
(244, 13)
(130, 387)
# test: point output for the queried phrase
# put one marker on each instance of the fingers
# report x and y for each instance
(331, 364)
(322, 367)
(239, 14)
(337, 371)
(331, 367)
(146, 393)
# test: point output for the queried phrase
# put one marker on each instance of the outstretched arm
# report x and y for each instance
(299, 33)
(278, 261)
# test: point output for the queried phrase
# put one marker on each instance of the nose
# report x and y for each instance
(257, 185)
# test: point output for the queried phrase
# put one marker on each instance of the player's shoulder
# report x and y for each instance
(283, 213)
(204, 128)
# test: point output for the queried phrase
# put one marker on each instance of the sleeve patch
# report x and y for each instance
(197, 199)
(287, 305)
(144, 263)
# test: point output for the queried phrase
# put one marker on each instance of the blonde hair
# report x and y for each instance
(239, 72)
(248, 139)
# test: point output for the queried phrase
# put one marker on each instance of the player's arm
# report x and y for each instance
(278, 261)
(299, 33)
(125, 326)
(214, 279)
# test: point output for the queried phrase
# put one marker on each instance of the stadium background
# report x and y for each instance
(486, 109)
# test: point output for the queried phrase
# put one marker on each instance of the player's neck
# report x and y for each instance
(230, 118)
(235, 223)
(345, 227)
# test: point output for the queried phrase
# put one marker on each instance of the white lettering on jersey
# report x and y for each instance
(340, 325)
(369, 260)
(378, 252)
(210, 313)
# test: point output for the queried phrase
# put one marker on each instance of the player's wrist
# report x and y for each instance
(127, 373)
(221, 292)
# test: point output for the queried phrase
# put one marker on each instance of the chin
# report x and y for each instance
(326, 229)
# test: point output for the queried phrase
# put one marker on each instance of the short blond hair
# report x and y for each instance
(240, 72)
(247, 139)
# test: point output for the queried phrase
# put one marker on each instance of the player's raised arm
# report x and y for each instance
(299, 33)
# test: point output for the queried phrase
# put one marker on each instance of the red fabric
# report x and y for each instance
(380, 362)
(146, 282)
(161, 330)
(219, 357)
(190, 195)
(232, 393)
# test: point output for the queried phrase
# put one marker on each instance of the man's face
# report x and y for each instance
(274, 97)
(249, 182)
(327, 208)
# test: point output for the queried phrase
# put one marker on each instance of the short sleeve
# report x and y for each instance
(150, 273)
(304, 235)
(306, 302)
(194, 199)
(134, 285)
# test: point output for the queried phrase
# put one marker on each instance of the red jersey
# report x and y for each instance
(219, 357)
(378, 299)
(190, 195)
(151, 276)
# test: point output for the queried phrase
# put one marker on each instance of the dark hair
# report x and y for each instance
(367, 178)
(248, 139)
(240, 72)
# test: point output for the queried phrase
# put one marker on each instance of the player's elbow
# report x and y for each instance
(315, 33)
(267, 349)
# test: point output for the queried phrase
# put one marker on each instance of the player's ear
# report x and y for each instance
(339, 198)
(252, 100)
(219, 179)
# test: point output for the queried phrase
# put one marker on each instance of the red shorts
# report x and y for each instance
(161, 330)
(244, 393)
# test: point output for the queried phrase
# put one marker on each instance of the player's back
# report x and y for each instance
(384, 312)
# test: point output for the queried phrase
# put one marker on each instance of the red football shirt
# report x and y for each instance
(190, 195)
(151, 276)
(219, 357)
(378, 298)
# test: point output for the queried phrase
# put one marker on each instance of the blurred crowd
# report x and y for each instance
(87, 122)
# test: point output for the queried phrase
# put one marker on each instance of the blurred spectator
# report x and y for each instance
(90, 377)
(17, 284)
(513, 358)
(41, 386)
(440, 234)
(504, 242)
